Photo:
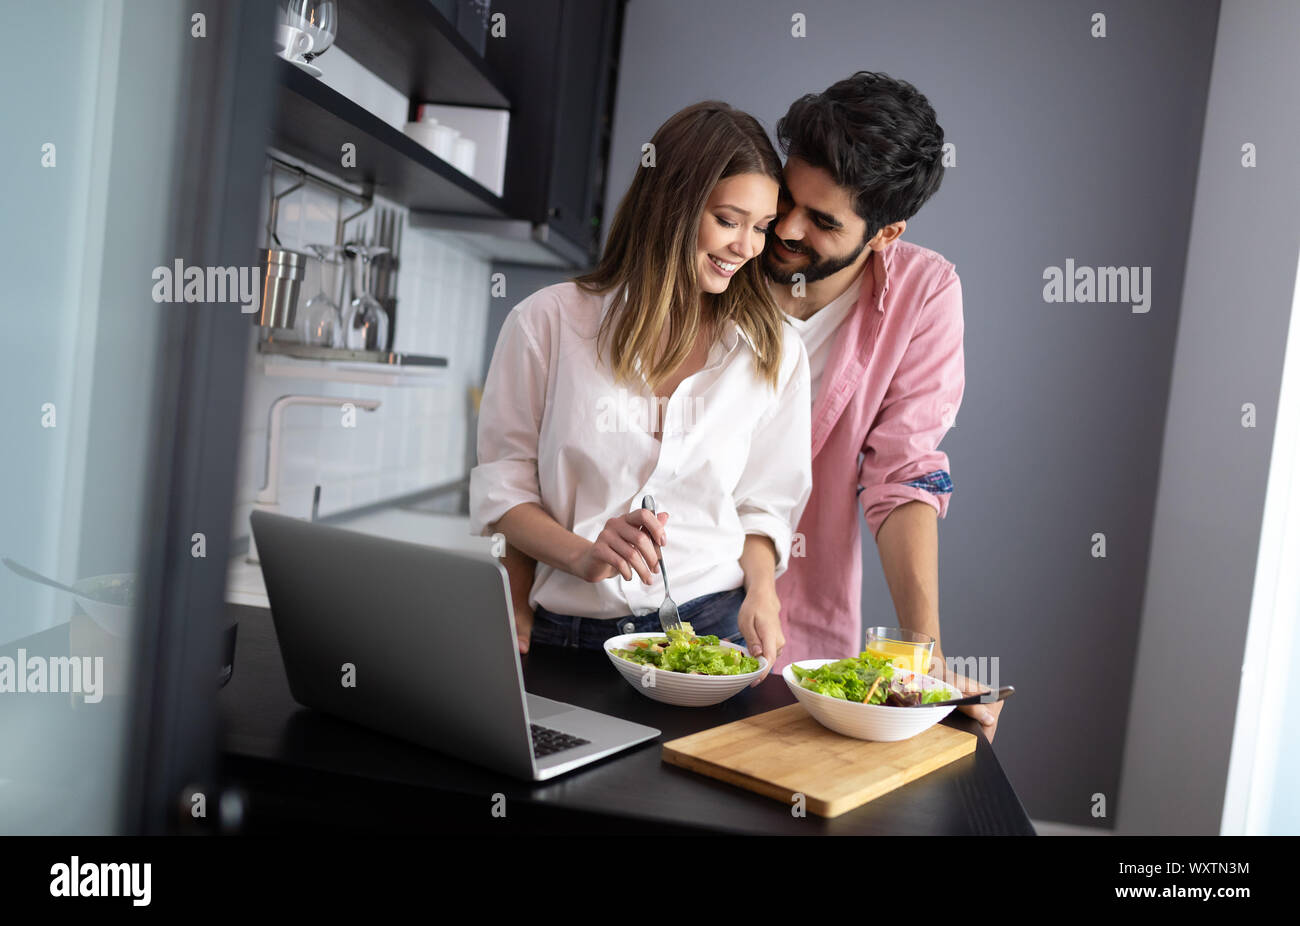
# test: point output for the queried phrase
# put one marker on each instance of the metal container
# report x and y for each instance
(282, 275)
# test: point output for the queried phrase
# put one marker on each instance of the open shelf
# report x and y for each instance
(373, 368)
(314, 121)
(512, 240)
(380, 357)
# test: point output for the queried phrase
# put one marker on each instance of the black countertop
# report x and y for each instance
(303, 770)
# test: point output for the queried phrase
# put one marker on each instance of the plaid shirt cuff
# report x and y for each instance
(937, 482)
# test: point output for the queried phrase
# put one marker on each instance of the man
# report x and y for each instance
(882, 322)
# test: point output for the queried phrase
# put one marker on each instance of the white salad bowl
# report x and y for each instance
(114, 619)
(879, 722)
(678, 688)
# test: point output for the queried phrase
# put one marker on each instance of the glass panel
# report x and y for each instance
(103, 102)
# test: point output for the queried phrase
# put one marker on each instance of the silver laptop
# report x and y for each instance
(418, 642)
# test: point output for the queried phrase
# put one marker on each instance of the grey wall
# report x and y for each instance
(521, 281)
(1231, 337)
(1068, 146)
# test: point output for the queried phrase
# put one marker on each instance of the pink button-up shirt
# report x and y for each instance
(890, 392)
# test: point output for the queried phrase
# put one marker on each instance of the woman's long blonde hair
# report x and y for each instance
(652, 249)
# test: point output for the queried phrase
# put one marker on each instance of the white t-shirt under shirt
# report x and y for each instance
(818, 332)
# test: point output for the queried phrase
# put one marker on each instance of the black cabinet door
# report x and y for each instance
(582, 105)
(558, 60)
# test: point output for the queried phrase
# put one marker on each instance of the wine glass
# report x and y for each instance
(318, 18)
(320, 321)
(365, 324)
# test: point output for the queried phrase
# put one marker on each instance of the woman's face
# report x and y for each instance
(733, 227)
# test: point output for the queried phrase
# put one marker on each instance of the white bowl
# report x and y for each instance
(114, 619)
(878, 722)
(678, 688)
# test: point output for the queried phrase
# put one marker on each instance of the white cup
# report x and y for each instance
(444, 141)
(466, 149)
(292, 42)
(421, 132)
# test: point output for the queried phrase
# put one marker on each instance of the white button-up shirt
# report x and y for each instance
(554, 428)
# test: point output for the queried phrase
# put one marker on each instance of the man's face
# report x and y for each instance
(816, 232)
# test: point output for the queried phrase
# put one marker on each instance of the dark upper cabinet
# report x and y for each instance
(415, 46)
(554, 69)
(558, 62)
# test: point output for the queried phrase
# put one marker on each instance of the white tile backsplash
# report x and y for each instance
(417, 437)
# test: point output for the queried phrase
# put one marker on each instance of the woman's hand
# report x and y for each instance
(624, 547)
(523, 624)
(760, 613)
(760, 621)
(521, 570)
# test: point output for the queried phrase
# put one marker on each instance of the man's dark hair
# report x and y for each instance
(877, 136)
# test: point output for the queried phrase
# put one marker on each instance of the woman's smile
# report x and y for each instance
(724, 268)
(733, 227)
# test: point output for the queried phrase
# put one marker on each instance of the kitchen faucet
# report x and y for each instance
(268, 496)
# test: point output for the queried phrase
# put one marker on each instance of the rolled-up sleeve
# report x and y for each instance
(509, 422)
(777, 480)
(920, 406)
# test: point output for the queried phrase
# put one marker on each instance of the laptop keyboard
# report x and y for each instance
(547, 741)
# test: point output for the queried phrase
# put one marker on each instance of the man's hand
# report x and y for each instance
(986, 714)
(760, 621)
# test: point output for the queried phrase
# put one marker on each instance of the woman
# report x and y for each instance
(667, 371)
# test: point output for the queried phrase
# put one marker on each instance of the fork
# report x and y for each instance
(669, 618)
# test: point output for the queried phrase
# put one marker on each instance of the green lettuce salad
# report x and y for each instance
(682, 651)
(867, 678)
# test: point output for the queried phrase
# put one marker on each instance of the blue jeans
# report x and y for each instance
(709, 614)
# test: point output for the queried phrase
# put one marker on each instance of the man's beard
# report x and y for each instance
(817, 269)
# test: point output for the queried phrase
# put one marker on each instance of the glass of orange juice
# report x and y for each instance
(906, 648)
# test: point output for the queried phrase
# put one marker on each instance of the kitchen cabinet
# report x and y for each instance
(554, 69)
(413, 45)
(558, 63)
(313, 122)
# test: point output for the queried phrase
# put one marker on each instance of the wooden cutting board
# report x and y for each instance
(785, 752)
